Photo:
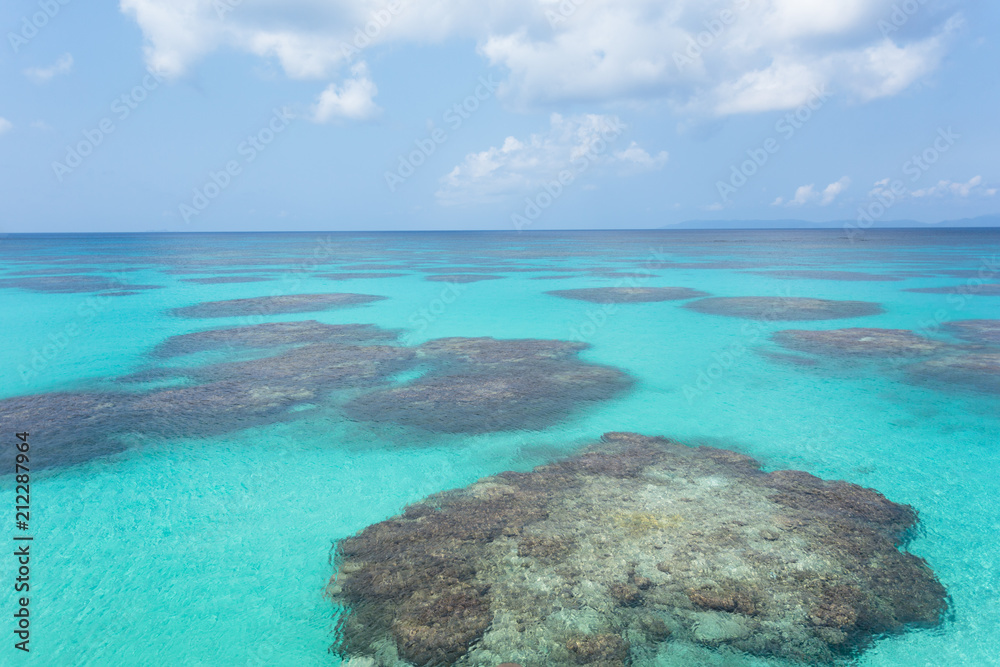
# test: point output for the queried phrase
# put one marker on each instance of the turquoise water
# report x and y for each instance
(215, 551)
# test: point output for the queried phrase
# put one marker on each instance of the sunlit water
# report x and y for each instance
(216, 551)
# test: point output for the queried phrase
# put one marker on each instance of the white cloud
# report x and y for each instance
(803, 195)
(42, 74)
(352, 100)
(831, 191)
(769, 55)
(807, 194)
(5, 125)
(571, 144)
(943, 188)
(638, 157)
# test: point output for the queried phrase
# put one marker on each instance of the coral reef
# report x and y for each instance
(783, 308)
(477, 385)
(471, 385)
(599, 558)
(858, 342)
(849, 276)
(969, 289)
(271, 334)
(978, 331)
(462, 277)
(357, 276)
(274, 305)
(629, 294)
(223, 280)
(70, 284)
(975, 369)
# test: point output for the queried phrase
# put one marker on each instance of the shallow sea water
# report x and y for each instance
(215, 551)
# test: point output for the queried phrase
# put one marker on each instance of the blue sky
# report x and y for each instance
(229, 115)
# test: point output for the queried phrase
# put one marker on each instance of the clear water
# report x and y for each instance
(215, 551)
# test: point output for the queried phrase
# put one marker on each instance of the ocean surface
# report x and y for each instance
(213, 546)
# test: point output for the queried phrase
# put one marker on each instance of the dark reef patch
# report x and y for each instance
(462, 277)
(783, 308)
(629, 294)
(851, 276)
(229, 396)
(976, 370)
(596, 559)
(858, 342)
(562, 277)
(223, 280)
(313, 368)
(478, 385)
(272, 334)
(274, 305)
(978, 331)
(70, 284)
(75, 426)
(357, 276)
(471, 385)
(970, 289)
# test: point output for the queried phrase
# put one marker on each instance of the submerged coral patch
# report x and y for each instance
(976, 370)
(224, 280)
(479, 385)
(629, 294)
(849, 276)
(858, 342)
(597, 559)
(271, 334)
(357, 276)
(978, 331)
(455, 385)
(75, 426)
(462, 277)
(274, 305)
(70, 284)
(770, 308)
(970, 289)
(314, 367)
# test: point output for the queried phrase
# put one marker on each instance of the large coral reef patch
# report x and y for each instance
(599, 558)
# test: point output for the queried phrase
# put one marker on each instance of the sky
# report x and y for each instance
(253, 115)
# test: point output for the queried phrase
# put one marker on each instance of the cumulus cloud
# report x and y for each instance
(974, 186)
(807, 194)
(570, 146)
(5, 125)
(717, 57)
(833, 190)
(637, 156)
(352, 100)
(43, 74)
